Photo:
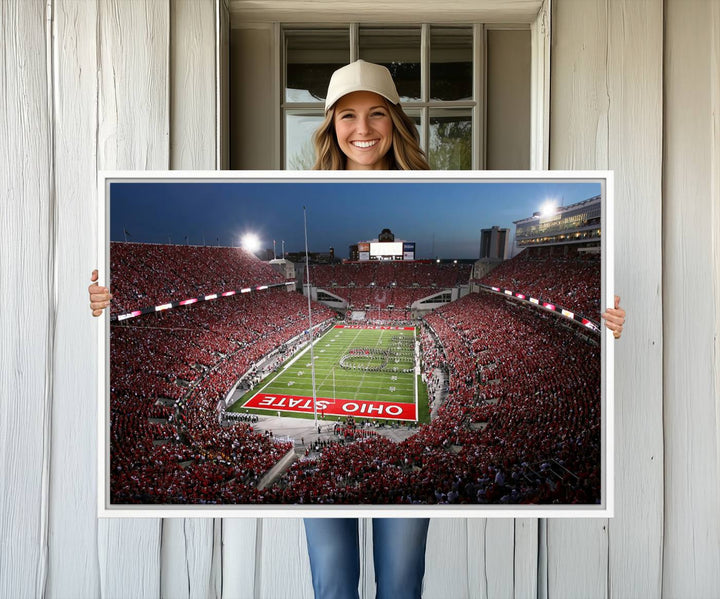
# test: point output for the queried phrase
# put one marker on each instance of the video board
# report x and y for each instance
(386, 250)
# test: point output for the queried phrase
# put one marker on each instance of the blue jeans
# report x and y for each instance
(398, 552)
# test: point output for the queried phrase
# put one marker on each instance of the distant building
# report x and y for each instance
(284, 267)
(495, 243)
(386, 235)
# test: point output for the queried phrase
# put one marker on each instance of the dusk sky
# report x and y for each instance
(443, 218)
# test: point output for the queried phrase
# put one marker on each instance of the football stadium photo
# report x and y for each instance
(383, 343)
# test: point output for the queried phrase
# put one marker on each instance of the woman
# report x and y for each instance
(363, 122)
(365, 129)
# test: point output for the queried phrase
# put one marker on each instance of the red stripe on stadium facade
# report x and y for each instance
(377, 328)
(386, 410)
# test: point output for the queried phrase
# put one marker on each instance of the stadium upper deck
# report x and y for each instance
(147, 274)
(577, 223)
(390, 274)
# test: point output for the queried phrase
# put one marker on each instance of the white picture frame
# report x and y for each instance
(604, 509)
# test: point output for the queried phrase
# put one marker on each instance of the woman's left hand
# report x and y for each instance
(615, 318)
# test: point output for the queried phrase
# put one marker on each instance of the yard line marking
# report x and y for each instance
(296, 357)
(378, 342)
(329, 371)
(372, 385)
(284, 368)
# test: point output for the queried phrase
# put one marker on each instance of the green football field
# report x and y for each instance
(371, 367)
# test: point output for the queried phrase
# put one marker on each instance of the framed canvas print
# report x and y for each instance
(343, 344)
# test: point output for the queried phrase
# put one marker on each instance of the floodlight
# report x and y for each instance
(549, 208)
(250, 242)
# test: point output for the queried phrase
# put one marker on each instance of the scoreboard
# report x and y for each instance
(386, 250)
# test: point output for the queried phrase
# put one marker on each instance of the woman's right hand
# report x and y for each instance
(99, 296)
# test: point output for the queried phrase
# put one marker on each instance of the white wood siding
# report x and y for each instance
(577, 550)
(189, 565)
(606, 113)
(193, 85)
(116, 84)
(133, 133)
(27, 314)
(73, 538)
(692, 402)
(635, 87)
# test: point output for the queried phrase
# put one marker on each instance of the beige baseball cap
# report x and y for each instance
(361, 76)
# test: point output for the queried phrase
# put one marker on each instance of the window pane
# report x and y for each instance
(451, 55)
(450, 139)
(398, 50)
(415, 116)
(311, 58)
(299, 150)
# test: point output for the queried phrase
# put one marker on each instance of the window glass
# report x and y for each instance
(311, 57)
(414, 114)
(299, 149)
(451, 63)
(441, 105)
(398, 50)
(450, 146)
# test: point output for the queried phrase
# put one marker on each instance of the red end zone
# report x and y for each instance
(389, 410)
(367, 326)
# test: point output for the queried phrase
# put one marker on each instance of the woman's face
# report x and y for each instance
(364, 130)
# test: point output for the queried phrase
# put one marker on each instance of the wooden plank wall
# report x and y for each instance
(27, 315)
(133, 122)
(190, 567)
(116, 84)
(606, 113)
(691, 270)
(635, 535)
(73, 549)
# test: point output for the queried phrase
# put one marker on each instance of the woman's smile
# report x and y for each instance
(364, 144)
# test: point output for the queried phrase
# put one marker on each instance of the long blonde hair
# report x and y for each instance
(405, 154)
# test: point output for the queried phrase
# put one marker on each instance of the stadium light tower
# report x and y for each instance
(310, 325)
(250, 242)
(549, 208)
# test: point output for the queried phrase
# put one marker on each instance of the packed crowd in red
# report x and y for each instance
(384, 274)
(384, 284)
(521, 422)
(571, 281)
(193, 355)
(148, 274)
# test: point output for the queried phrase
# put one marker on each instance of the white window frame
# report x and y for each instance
(476, 106)
(539, 88)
